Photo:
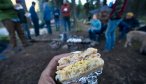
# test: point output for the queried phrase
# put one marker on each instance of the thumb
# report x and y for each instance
(51, 81)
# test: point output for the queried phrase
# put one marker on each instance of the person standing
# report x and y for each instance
(47, 15)
(10, 20)
(65, 9)
(114, 20)
(57, 17)
(21, 14)
(35, 19)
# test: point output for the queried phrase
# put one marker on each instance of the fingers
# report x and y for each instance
(49, 72)
(61, 55)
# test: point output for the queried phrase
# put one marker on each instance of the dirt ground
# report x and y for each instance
(122, 65)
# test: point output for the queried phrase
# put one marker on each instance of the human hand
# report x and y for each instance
(47, 76)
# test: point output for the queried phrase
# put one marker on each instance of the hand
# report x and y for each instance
(48, 74)
(46, 79)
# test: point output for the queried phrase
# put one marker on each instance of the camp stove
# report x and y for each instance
(77, 43)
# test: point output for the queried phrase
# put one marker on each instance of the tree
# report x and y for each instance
(97, 4)
(104, 2)
(74, 12)
(79, 8)
(136, 6)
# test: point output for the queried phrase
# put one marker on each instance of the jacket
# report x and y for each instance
(33, 13)
(95, 24)
(47, 12)
(132, 23)
(56, 13)
(65, 9)
(21, 13)
(118, 9)
(7, 10)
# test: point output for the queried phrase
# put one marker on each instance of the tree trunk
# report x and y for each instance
(60, 2)
(87, 1)
(74, 13)
(41, 7)
(97, 4)
(104, 2)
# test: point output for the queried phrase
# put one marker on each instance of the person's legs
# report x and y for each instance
(123, 29)
(48, 23)
(26, 30)
(21, 34)
(68, 23)
(65, 24)
(108, 40)
(90, 34)
(113, 36)
(11, 29)
(57, 24)
(103, 28)
(36, 27)
(120, 30)
(110, 34)
(94, 34)
(97, 35)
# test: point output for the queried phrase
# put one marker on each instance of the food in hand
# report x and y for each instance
(78, 64)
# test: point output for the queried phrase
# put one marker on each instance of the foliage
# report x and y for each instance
(4, 39)
(136, 6)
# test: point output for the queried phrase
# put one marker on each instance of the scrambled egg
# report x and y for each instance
(83, 63)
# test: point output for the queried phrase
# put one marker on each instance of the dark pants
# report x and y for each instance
(48, 23)
(94, 34)
(67, 23)
(13, 27)
(123, 29)
(36, 27)
(26, 30)
(103, 28)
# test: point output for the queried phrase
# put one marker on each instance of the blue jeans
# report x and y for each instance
(67, 23)
(123, 29)
(110, 34)
(94, 34)
(48, 23)
(26, 30)
(57, 24)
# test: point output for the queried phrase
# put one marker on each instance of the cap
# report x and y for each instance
(130, 14)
